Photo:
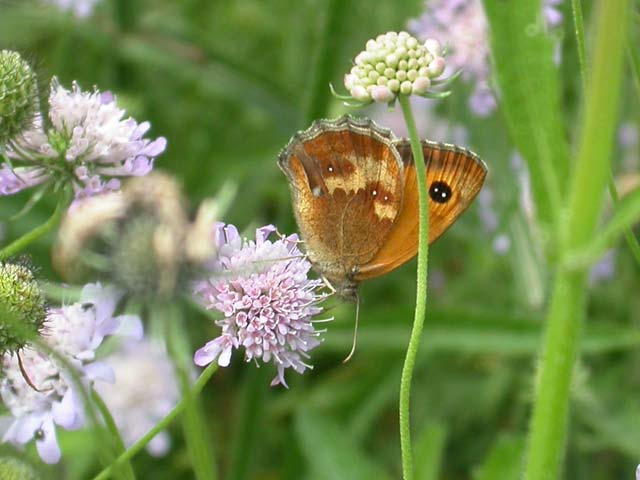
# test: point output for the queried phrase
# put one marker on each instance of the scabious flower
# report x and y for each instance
(88, 144)
(37, 390)
(267, 300)
(18, 95)
(393, 64)
(144, 392)
(23, 306)
(80, 8)
(143, 231)
(461, 25)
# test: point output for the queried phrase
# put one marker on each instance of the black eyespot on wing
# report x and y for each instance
(440, 192)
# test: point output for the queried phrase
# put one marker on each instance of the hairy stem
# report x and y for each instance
(421, 292)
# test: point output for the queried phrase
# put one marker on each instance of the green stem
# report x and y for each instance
(28, 238)
(578, 22)
(161, 425)
(421, 291)
(548, 427)
(632, 241)
(126, 470)
(319, 94)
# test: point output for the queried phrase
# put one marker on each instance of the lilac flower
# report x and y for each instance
(461, 25)
(75, 332)
(80, 8)
(267, 300)
(137, 405)
(89, 143)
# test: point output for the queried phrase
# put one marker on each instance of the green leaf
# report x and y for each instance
(626, 215)
(504, 459)
(527, 80)
(330, 452)
(429, 451)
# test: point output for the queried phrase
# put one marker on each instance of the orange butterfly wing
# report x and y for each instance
(454, 178)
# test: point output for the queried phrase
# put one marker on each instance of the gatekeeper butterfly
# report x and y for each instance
(355, 196)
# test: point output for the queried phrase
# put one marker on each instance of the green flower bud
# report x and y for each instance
(23, 307)
(395, 61)
(14, 469)
(18, 95)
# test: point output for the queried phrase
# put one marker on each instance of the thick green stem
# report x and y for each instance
(28, 238)
(421, 291)
(549, 422)
(161, 425)
(578, 23)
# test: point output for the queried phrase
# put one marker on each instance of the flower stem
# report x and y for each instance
(161, 425)
(28, 238)
(126, 470)
(421, 291)
(578, 22)
(548, 427)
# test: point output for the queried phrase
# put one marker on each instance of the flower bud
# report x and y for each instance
(390, 65)
(18, 95)
(23, 307)
(381, 94)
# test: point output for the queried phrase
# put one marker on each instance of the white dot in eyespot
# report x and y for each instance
(374, 193)
(386, 197)
(330, 168)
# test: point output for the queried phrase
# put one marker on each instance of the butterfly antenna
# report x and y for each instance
(355, 331)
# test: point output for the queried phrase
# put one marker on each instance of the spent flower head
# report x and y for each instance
(23, 306)
(38, 392)
(395, 64)
(268, 302)
(144, 392)
(144, 231)
(18, 95)
(89, 143)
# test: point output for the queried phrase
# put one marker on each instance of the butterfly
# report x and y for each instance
(355, 197)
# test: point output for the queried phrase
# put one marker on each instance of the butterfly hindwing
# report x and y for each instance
(454, 178)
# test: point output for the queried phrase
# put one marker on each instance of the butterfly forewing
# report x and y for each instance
(454, 178)
(347, 180)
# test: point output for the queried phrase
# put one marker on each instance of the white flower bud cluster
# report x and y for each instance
(392, 64)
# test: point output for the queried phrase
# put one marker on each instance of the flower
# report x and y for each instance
(88, 143)
(38, 392)
(80, 8)
(392, 64)
(145, 233)
(462, 26)
(18, 95)
(267, 300)
(138, 405)
(21, 301)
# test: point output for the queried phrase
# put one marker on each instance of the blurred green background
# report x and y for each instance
(227, 83)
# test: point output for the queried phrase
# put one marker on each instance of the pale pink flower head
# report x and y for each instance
(75, 332)
(262, 288)
(90, 145)
(144, 392)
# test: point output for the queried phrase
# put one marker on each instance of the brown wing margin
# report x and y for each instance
(463, 171)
